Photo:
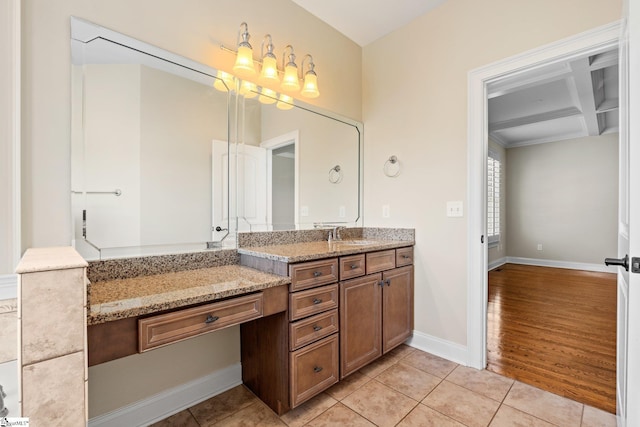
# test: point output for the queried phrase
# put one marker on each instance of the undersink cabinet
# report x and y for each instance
(376, 315)
(344, 312)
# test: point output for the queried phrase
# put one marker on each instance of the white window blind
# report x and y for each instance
(494, 177)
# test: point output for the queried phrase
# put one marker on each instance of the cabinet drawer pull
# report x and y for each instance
(354, 266)
(381, 283)
(406, 256)
(211, 319)
(316, 328)
(317, 369)
(388, 282)
(317, 300)
(317, 273)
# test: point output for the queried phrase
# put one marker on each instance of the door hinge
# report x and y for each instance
(482, 239)
(635, 265)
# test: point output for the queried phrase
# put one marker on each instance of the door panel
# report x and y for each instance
(397, 307)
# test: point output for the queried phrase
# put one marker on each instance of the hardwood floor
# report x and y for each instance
(555, 329)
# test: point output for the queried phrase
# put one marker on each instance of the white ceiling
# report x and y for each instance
(364, 21)
(570, 99)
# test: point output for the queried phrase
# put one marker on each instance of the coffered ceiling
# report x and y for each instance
(570, 99)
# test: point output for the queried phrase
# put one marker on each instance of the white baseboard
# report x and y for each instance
(454, 352)
(8, 286)
(497, 263)
(562, 264)
(172, 401)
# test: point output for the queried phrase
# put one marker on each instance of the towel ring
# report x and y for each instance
(391, 164)
(335, 174)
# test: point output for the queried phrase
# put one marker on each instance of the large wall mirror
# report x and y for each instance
(166, 158)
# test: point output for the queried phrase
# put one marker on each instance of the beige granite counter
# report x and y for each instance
(308, 251)
(122, 298)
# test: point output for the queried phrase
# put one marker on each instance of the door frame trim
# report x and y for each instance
(591, 41)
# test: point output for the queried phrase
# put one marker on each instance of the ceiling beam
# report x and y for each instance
(535, 118)
(517, 83)
(604, 60)
(590, 89)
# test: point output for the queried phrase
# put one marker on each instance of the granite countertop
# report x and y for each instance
(308, 251)
(122, 298)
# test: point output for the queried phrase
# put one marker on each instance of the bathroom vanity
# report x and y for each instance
(310, 312)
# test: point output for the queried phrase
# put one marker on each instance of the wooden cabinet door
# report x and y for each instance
(360, 322)
(397, 303)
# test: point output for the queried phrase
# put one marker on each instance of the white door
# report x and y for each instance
(628, 364)
(220, 209)
(252, 188)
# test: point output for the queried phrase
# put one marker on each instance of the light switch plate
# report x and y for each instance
(454, 209)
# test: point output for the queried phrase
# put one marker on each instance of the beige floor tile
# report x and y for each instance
(181, 419)
(409, 380)
(593, 417)
(401, 352)
(544, 405)
(309, 410)
(223, 405)
(348, 385)
(511, 417)
(429, 363)
(466, 406)
(340, 415)
(484, 382)
(380, 404)
(423, 416)
(373, 369)
(254, 415)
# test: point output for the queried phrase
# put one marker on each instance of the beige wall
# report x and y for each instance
(415, 106)
(191, 28)
(564, 195)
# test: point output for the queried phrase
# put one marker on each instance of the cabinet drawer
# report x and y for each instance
(312, 301)
(404, 256)
(309, 330)
(352, 266)
(380, 261)
(313, 369)
(315, 273)
(168, 328)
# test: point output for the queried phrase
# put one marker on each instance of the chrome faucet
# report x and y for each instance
(336, 232)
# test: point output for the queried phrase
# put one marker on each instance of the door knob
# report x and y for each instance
(218, 228)
(622, 262)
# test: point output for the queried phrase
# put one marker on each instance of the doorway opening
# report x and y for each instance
(589, 43)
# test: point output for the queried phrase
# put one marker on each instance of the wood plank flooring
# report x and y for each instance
(555, 329)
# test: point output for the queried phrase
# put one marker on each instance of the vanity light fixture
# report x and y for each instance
(248, 89)
(268, 96)
(285, 102)
(269, 71)
(244, 61)
(290, 81)
(224, 82)
(310, 85)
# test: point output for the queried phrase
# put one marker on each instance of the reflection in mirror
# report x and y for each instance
(298, 168)
(149, 148)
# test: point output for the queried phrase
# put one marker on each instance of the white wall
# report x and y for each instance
(564, 196)
(415, 107)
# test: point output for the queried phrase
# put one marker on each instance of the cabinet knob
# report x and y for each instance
(317, 273)
(211, 319)
(317, 300)
(316, 328)
(354, 266)
(388, 282)
(406, 256)
(381, 283)
(317, 369)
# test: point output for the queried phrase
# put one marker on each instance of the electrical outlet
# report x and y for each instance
(342, 212)
(386, 211)
(454, 209)
(539, 246)
(304, 210)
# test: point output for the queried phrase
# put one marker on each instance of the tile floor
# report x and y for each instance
(405, 388)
